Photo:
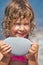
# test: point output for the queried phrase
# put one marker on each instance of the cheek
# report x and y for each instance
(14, 29)
(27, 29)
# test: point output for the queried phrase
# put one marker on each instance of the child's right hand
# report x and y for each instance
(4, 48)
(1, 56)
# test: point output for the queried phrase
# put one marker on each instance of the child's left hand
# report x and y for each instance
(33, 50)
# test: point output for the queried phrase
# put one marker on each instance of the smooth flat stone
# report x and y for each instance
(19, 45)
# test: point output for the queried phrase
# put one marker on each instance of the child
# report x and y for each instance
(18, 22)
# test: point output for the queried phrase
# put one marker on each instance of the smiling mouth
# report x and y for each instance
(21, 34)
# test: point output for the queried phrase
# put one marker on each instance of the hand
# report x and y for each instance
(4, 48)
(1, 56)
(33, 50)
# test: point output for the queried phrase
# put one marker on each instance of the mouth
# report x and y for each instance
(21, 34)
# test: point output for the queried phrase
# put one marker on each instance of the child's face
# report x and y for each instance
(20, 28)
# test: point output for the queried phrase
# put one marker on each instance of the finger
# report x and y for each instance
(32, 51)
(35, 44)
(5, 52)
(6, 48)
(2, 43)
(34, 48)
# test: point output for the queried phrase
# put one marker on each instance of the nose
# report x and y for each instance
(21, 28)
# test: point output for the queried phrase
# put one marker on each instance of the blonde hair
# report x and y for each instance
(15, 10)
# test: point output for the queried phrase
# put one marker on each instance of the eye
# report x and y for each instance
(16, 23)
(26, 24)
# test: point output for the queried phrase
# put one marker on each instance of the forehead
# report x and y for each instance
(20, 20)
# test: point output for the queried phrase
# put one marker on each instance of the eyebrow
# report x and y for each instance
(23, 23)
